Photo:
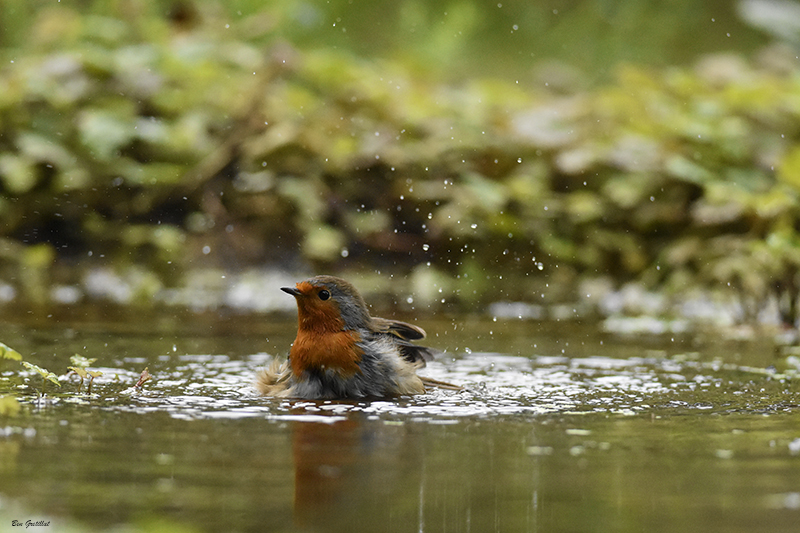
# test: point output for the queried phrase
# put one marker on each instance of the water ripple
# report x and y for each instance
(216, 386)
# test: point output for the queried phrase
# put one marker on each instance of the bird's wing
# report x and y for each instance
(402, 333)
(399, 329)
(416, 354)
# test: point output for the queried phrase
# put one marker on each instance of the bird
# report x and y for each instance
(342, 352)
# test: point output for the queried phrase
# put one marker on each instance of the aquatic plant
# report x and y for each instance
(143, 378)
(80, 368)
(9, 353)
(160, 148)
(46, 375)
(9, 406)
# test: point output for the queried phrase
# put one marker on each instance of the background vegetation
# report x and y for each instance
(469, 153)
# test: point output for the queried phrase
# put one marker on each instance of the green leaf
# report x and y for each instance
(81, 361)
(78, 370)
(687, 170)
(104, 132)
(41, 149)
(9, 406)
(9, 353)
(323, 242)
(46, 374)
(789, 168)
(18, 173)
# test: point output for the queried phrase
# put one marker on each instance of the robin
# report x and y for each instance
(343, 352)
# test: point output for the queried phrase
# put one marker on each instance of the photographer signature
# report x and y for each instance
(29, 523)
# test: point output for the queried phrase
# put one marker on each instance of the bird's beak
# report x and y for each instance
(291, 290)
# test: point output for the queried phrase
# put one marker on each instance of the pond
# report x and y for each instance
(561, 427)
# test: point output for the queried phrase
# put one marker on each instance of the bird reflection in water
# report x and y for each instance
(349, 471)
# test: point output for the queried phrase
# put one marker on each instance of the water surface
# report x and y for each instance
(560, 427)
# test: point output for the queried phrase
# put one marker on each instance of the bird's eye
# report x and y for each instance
(324, 295)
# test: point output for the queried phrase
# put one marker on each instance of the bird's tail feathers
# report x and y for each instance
(436, 384)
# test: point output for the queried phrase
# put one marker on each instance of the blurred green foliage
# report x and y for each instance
(178, 135)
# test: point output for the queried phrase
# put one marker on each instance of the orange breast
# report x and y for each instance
(314, 350)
